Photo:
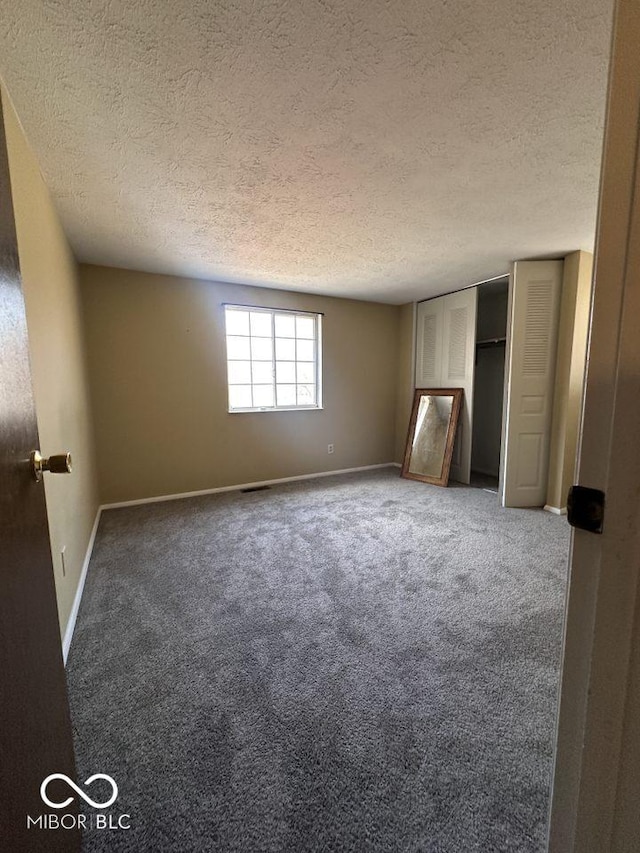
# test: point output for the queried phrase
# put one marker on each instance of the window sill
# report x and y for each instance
(281, 409)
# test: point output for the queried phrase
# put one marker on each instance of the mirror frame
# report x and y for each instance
(456, 405)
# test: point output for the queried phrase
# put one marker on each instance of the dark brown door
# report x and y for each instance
(35, 727)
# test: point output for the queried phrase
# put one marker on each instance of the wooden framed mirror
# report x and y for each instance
(432, 432)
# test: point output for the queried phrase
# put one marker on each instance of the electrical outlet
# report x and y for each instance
(329, 448)
(62, 560)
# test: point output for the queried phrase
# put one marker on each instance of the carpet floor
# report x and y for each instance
(356, 663)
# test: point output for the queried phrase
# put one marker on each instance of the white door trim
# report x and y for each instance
(597, 779)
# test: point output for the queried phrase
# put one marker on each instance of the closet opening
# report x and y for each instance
(488, 393)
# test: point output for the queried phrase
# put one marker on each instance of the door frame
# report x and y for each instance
(596, 786)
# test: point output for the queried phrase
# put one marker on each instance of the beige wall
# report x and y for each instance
(404, 378)
(156, 356)
(570, 371)
(49, 277)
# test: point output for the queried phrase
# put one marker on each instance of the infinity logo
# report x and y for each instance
(72, 784)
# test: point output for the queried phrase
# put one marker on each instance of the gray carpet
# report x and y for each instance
(357, 663)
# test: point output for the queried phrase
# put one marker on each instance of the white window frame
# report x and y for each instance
(317, 360)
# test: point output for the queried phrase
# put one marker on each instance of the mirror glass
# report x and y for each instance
(430, 436)
(432, 432)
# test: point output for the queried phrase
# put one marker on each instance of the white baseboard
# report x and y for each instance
(71, 624)
(236, 488)
(556, 510)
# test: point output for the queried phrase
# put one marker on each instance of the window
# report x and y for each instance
(273, 359)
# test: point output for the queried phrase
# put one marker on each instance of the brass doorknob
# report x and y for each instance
(58, 464)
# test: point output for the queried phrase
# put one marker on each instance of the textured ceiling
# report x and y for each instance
(382, 150)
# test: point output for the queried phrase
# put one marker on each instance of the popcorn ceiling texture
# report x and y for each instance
(364, 148)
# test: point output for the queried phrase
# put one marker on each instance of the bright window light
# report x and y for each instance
(273, 359)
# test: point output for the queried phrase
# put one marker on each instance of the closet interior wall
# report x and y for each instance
(490, 352)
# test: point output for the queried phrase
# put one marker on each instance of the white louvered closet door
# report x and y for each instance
(429, 344)
(458, 369)
(530, 368)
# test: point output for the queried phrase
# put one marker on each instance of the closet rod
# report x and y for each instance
(491, 342)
